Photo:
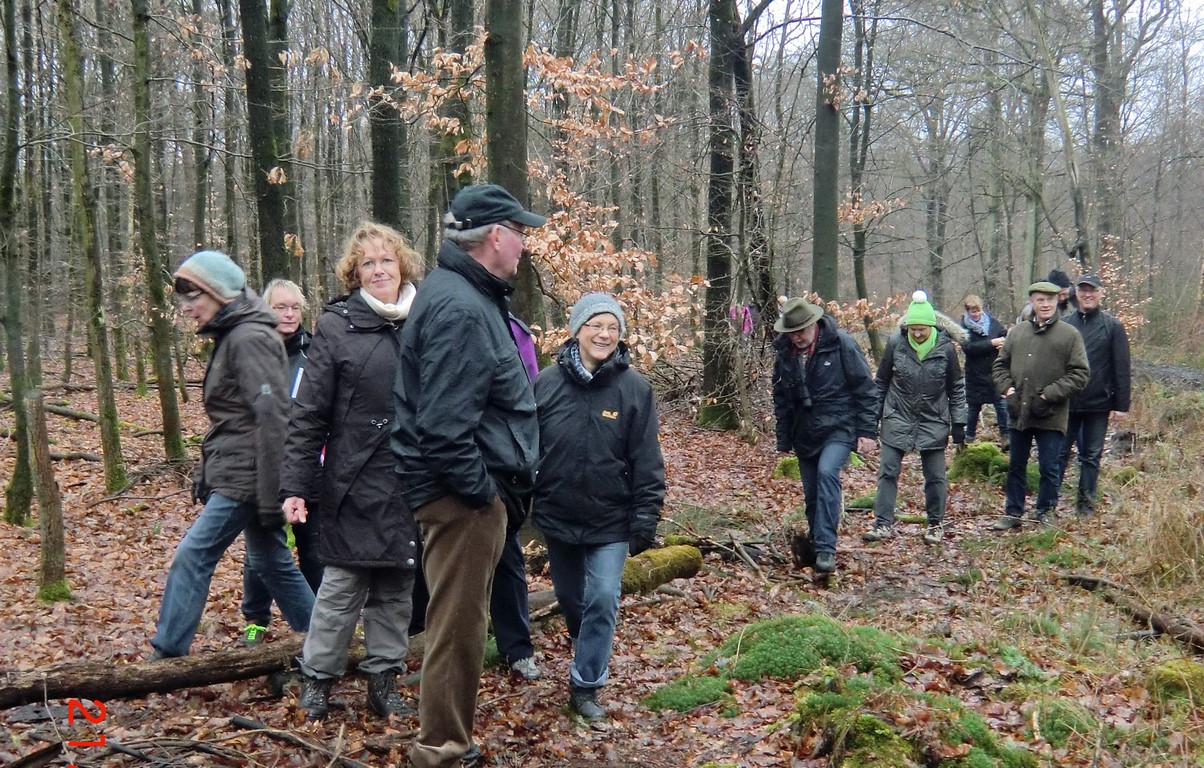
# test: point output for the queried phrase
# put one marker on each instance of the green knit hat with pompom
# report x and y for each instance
(920, 312)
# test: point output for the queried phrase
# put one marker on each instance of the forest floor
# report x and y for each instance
(996, 599)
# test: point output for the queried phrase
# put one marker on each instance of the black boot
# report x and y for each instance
(315, 697)
(584, 701)
(383, 698)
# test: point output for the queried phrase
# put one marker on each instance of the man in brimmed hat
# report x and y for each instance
(824, 403)
(1041, 366)
(1107, 392)
(467, 443)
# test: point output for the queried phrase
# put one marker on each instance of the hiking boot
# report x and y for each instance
(825, 562)
(157, 655)
(526, 668)
(383, 698)
(315, 697)
(470, 758)
(877, 533)
(1045, 519)
(1006, 523)
(253, 634)
(584, 701)
(934, 534)
(1083, 509)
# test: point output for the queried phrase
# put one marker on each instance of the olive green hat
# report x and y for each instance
(797, 315)
(1044, 286)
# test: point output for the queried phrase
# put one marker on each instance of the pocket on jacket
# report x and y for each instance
(1013, 402)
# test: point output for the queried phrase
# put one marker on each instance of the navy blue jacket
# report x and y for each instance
(835, 401)
(1108, 356)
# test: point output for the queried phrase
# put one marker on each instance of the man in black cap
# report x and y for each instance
(467, 442)
(1107, 392)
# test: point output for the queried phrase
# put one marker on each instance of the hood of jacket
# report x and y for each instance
(952, 328)
(247, 308)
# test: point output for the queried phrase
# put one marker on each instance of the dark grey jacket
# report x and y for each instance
(919, 400)
(832, 401)
(1047, 360)
(601, 473)
(344, 402)
(247, 403)
(1107, 347)
(465, 409)
(980, 356)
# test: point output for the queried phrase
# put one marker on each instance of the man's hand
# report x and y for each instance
(997, 343)
(294, 509)
(959, 434)
(865, 445)
(1120, 415)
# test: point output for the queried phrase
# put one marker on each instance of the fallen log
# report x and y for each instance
(106, 681)
(1186, 632)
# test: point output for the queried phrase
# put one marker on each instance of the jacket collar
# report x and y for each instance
(247, 308)
(455, 258)
(357, 312)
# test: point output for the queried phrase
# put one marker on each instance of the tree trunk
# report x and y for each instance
(18, 494)
(154, 269)
(456, 27)
(720, 407)
(104, 680)
(52, 575)
(84, 197)
(825, 269)
(202, 154)
(506, 126)
(265, 151)
(387, 130)
(859, 150)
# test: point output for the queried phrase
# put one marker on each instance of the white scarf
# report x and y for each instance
(395, 311)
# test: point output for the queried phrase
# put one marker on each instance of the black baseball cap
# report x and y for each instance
(1092, 280)
(480, 205)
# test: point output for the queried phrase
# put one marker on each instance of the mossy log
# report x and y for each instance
(106, 680)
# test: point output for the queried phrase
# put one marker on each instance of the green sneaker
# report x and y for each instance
(253, 635)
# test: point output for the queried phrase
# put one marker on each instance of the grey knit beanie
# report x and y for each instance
(593, 304)
(215, 273)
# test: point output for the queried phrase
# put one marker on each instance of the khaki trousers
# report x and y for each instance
(461, 548)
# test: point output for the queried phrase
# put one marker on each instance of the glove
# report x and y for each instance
(271, 517)
(197, 490)
(640, 541)
(959, 434)
(1041, 408)
(1013, 401)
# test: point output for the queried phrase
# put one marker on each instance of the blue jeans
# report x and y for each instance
(821, 492)
(588, 580)
(1049, 462)
(196, 557)
(1086, 432)
(256, 600)
(1001, 416)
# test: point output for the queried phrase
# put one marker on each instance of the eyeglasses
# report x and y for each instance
(282, 308)
(613, 330)
(189, 298)
(522, 233)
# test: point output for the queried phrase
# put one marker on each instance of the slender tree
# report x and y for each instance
(387, 130)
(84, 227)
(154, 269)
(825, 269)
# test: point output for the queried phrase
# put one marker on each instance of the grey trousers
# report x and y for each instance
(383, 596)
(936, 489)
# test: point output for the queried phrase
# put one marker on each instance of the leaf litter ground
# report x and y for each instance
(977, 590)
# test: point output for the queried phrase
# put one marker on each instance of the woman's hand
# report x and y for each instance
(294, 509)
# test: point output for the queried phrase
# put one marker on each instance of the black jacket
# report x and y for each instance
(344, 402)
(601, 474)
(836, 401)
(247, 404)
(465, 409)
(980, 356)
(1108, 356)
(296, 348)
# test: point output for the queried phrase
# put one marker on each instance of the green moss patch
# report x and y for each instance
(688, 693)
(788, 468)
(984, 462)
(1177, 679)
(864, 501)
(794, 646)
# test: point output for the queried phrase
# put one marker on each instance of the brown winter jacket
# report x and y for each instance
(1048, 360)
(246, 400)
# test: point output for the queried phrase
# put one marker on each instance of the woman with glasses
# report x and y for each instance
(600, 486)
(288, 304)
(246, 400)
(368, 538)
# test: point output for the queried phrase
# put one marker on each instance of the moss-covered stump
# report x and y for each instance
(788, 468)
(718, 416)
(648, 570)
(1176, 679)
(985, 462)
(864, 501)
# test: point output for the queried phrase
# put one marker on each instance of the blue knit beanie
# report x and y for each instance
(215, 273)
(593, 304)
